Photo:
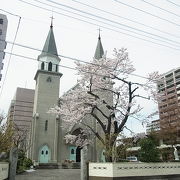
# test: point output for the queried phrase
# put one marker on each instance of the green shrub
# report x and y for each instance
(148, 152)
(27, 162)
(23, 162)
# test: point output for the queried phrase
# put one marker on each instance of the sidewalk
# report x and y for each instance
(50, 174)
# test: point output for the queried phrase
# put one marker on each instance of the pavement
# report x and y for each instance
(50, 174)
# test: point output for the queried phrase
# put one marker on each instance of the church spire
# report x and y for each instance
(99, 48)
(50, 44)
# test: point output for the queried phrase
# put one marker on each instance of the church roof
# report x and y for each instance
(99, 49)
(50, 44)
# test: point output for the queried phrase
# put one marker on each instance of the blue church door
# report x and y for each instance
(72, 150)
(44, 154)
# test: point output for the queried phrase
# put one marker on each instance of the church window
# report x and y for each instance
(49, 79)
(46, 125)
(56, 68)
(42, 65)
(42, 152)
(72, 151)
(50, 66)
(46, 152)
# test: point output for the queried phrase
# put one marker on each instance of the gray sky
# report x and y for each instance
(78, 39)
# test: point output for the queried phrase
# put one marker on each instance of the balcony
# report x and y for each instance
(177, 73)
(170, 78)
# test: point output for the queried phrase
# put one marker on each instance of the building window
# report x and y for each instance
(1, 21)
(0, 31)
(56, 68)
(46, 125)
(72, 151)
(42, 66)
(50, 66)
(49, 79)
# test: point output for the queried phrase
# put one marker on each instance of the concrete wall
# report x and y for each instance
(4, 169)
(114, 170)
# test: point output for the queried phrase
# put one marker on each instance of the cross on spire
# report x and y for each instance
(99, 32)
(51, 21)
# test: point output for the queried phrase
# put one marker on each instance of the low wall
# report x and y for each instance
(110, 171)
(4, 169)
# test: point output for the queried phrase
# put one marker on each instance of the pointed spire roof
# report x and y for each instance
(99, 49)
(50, 44)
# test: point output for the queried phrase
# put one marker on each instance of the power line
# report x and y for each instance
(171, 22)
(105, 19)
(93, 7)
(9, 13)
(34, 59)
(160, 8)
(72, 17)
(173, 3)
(66, 57)
(2, 87)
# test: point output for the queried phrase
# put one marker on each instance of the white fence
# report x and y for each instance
(4, 169)
(133, 169)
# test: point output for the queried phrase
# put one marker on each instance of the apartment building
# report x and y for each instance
(169, 101)
(21, 108)
(3, 30)
(153, 126)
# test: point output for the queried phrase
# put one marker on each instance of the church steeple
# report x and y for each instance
(99, 49)
(45, 127)
(50, 44)
(48, 59)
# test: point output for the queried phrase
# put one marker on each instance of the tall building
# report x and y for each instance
(169, 101)
(3, 30)
(20, 113)
(21, 108)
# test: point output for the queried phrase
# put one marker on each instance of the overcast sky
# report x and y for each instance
(150, 30)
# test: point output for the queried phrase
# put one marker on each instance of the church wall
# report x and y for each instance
(63, 149)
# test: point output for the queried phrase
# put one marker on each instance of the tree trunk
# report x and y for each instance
(108, 151)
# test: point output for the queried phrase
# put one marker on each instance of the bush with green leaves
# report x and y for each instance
(23, 162)
(148, 151)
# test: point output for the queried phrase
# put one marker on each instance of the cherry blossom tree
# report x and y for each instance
(104, 93)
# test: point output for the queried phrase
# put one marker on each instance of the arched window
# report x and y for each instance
(42, 66)
(72, 151)
(46, 125)
(56, 68)
(50, 66)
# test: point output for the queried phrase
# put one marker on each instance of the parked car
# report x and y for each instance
(132, 158)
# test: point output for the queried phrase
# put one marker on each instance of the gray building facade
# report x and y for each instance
(3, 30)
(20, 114)
(21, 108)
